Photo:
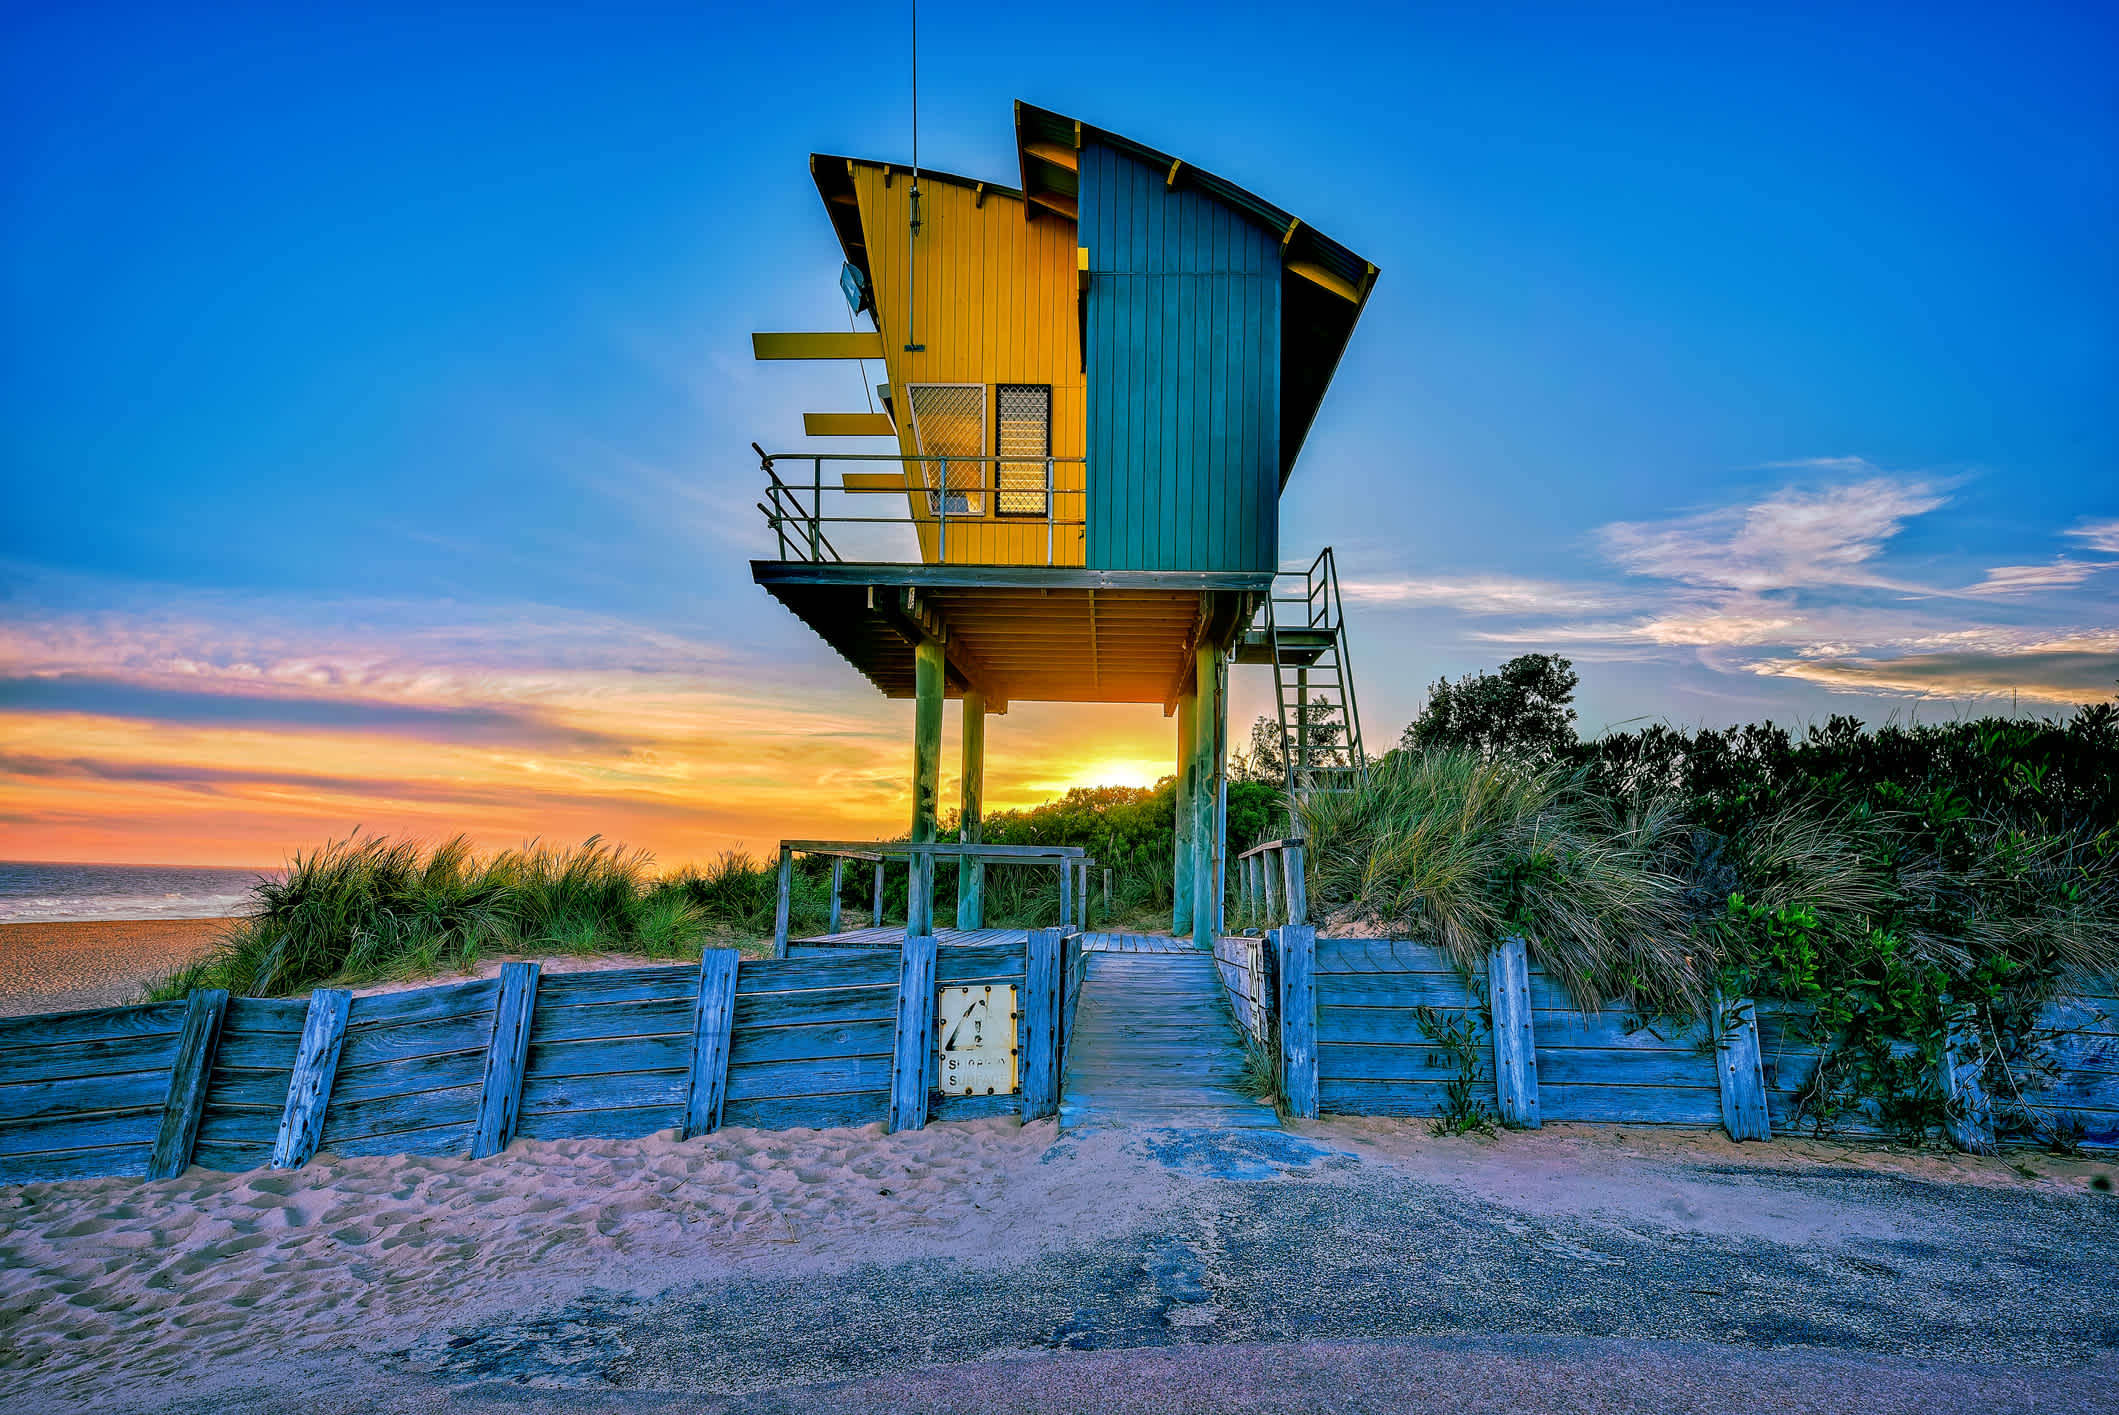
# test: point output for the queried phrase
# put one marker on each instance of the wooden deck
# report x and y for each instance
(1154, 1044)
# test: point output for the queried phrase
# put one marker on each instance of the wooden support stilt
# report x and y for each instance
(309, 1088)
(838, 882)
(186, 1100)
(1181, 863)
(1107, 891)
(782, 900)
(1066, 875)
(500, 1097)
(1295, 958)
(913, 1044)
(927, 683)
(1515, 1047)
(879, 895)
(1272, 869)
(971, 872)
(713, 1022)
(1041, 1014)
(1204, 773)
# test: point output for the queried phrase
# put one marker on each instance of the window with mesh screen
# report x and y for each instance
(949, 420)
(1024, 423)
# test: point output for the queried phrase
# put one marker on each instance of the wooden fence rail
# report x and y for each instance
(463, 1068)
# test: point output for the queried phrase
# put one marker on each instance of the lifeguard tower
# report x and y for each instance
(1097, 383)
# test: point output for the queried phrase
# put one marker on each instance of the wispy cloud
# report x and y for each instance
(1797, 584)
(1489, 594)
(2098, 535)
(1795, 538)
(2025, 579)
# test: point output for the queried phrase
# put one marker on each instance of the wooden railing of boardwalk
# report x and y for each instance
(1345, 1017)
(1071, 862)
(462, 1069)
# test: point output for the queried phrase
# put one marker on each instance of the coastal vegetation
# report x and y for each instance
(1886, 885)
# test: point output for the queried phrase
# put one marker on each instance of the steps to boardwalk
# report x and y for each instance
(1154, 1045)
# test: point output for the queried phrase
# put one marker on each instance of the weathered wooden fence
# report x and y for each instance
(1385, 1026)
(847, 1038)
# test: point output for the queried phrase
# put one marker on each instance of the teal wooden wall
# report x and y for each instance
(1183, 364)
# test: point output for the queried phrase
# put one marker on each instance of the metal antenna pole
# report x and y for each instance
(912, 266)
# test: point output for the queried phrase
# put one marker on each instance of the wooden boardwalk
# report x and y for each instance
(1154, 1045)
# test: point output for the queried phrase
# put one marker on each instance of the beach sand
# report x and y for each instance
(111, 1288)
(106, 963)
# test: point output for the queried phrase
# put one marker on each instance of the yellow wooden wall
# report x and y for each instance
(996, 304)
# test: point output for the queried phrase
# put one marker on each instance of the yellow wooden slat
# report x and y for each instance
(1318, 275)
(848, 425)
(876, 481)
(847, 345)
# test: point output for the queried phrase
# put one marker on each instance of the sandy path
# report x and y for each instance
(61, 967)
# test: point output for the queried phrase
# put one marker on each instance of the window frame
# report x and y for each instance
(1043, 492)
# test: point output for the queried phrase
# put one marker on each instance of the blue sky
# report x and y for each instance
(376, 387)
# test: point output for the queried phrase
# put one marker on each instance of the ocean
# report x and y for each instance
(33, 893)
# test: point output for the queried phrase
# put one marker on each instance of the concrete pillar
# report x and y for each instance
(1208, 740)
(1181, 865)
(927, 687)
(971, 874)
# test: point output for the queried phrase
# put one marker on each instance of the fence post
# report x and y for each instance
(1297, 946)
(713, 1022)
(1269, 870)
(787, 880)
(1968, 1115)
(500, 1097)
(838, 881)
(879, 895)
(1107, 893)
(919, 897)
(1041, 987)
(1515, 1046)
(1742, 1069)
(1298, 887)
(186, 1101)
(1066, 917)
(914, 1041)
(309, 1088)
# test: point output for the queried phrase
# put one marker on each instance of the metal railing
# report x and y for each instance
(1000, 502)
(1340, 758)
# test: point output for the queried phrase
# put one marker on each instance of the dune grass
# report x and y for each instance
(370, 908)
(1461, 851)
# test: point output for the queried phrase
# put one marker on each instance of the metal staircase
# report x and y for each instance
(1300, 630)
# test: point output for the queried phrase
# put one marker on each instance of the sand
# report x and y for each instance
(110, 1286)
(63, 967)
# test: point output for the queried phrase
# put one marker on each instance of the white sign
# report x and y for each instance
(976, 1036)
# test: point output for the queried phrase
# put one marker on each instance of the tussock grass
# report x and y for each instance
(369, 908)
(1461, 852)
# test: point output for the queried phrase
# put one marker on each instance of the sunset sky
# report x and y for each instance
(375, 394)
